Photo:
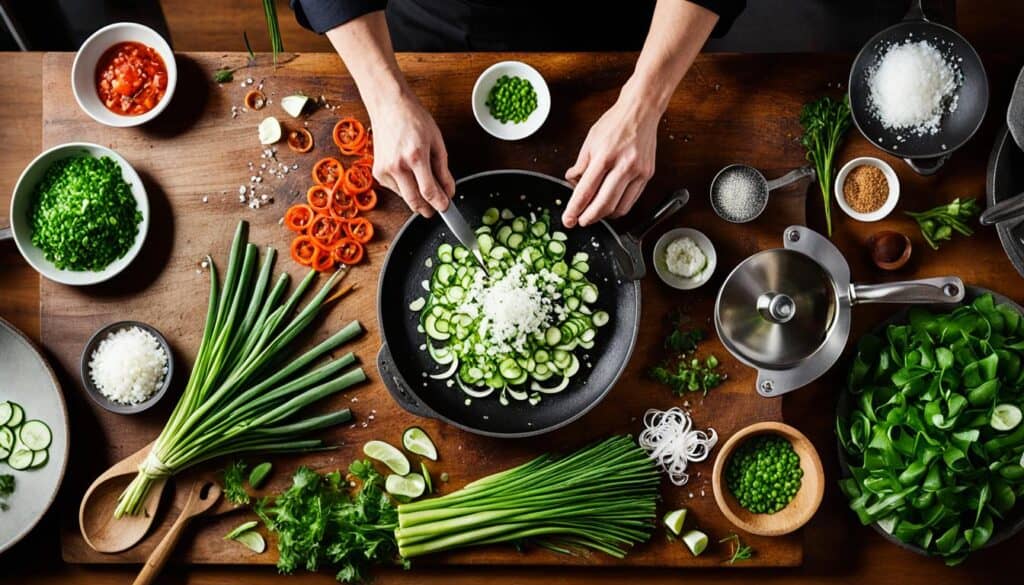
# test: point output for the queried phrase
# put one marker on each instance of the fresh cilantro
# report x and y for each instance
(689, 375)
(319, 522)
(234, 483)
(6, 489)
(740, 551)
(681, 341)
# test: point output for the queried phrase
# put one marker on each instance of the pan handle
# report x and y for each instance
(674, 203)
(916, 11)
(6, 234)
(396, 385)
(943, 289)
(930, 166)
(1006, 209)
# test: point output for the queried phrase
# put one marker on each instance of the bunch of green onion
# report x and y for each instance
(601, 497)
(246, 384)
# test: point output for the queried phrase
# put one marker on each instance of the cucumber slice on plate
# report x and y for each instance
(6, 412)
(17, 415)
(411, 486)
(39, 458)
(20, 459)
(388, 455)
(35, 434)
(6, 438)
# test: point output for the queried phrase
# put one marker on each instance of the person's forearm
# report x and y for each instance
(677, 34)
(364, 44)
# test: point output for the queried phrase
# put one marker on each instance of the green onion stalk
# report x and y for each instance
(601, 497)
(246, 383)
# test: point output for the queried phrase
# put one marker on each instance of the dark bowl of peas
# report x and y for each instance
(768, 479)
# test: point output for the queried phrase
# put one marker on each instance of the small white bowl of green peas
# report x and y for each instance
(511, 100)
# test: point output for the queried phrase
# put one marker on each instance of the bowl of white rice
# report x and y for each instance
(127, 367)
(684, 258)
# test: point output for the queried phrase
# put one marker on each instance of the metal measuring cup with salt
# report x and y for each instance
(739, 193)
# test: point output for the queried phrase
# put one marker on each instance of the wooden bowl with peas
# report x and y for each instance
(768, 479)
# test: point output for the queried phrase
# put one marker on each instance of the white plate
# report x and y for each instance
(83, 71)
(24, 194)
(890, 177)
(27, 379)
(674, 280)
(510, 130)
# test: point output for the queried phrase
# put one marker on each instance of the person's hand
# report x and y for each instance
(409, 155)
(615, 162)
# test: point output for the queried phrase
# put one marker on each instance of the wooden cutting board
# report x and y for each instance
(196, 155)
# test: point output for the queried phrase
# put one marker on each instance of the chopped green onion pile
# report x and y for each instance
(938, 224)
(601, 497)
(512, 99)
(247, 384)
(930, 462)
(84, 215)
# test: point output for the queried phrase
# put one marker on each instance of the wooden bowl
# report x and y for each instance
(803, 505)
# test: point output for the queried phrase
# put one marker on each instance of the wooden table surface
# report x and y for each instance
(837, 548)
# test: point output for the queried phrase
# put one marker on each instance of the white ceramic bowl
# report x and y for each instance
(510, 130)
(890, 177)
(24, 195)
(674, 280)
(83, 71)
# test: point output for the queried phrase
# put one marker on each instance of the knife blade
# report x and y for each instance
(452, 217)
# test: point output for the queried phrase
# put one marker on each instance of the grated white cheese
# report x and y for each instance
(513, 307)
(128, 366)
(912, 86)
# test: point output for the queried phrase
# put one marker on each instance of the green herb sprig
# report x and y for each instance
(682, 372)
(939, 223)
(740, 551)
(825, 122)
(234, 483)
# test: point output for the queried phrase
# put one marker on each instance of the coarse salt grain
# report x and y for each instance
(128, 366)
(912, 86)
(737, 194)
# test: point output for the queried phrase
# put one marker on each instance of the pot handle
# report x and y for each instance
(930, 166)
(943, 289)
(916, 11)
(1006, 209)
(6, 234)
(396, 385)
(791, 177)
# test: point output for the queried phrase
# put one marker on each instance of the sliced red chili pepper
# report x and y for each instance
(303, 250)
(325, 230)
(366, 201)
(300, 140)
(348, 251)
(298, 217)
(357, 179)
(319, 198)
(327, 171)
(359, 229)
(350, 135)
(340, 203)
(323, 261)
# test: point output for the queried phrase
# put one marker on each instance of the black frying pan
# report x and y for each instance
(404, 366)
(1004, 179)
(925, 154)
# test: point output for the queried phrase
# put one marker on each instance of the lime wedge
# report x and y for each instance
(259, 474)
(410, 486)
(269, 130)
(253, 541)
(293, 104)
(696, 541)
(1005, 417)
(674, 520)
(388, 455)
(241, 529)
(416, 441)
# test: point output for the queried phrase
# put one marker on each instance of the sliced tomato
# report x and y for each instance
(357, 179)
(298, 217)
(327, 171)
(304, 250)
(326, 230)
(350, 135)
(348, 251)
(319, 198)
(359, 229)
(323, 260)
(366, 201)
(300, 140)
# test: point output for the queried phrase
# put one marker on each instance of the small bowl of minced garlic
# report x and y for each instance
(684, 258)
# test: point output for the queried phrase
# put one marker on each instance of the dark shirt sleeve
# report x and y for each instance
(727, 11)
(321, 16)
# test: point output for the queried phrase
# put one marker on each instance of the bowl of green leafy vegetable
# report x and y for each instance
(79, 214)
(930, 432)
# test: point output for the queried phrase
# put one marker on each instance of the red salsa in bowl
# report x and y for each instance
(131, 78)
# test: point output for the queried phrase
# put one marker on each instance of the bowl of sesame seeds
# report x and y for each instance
(867, 189)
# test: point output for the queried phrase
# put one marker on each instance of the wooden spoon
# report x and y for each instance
(99, 528)
(204, 494)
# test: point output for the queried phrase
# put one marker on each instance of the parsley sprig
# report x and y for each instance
(740, 551)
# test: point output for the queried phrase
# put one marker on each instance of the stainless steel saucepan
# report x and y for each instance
(786, 311)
